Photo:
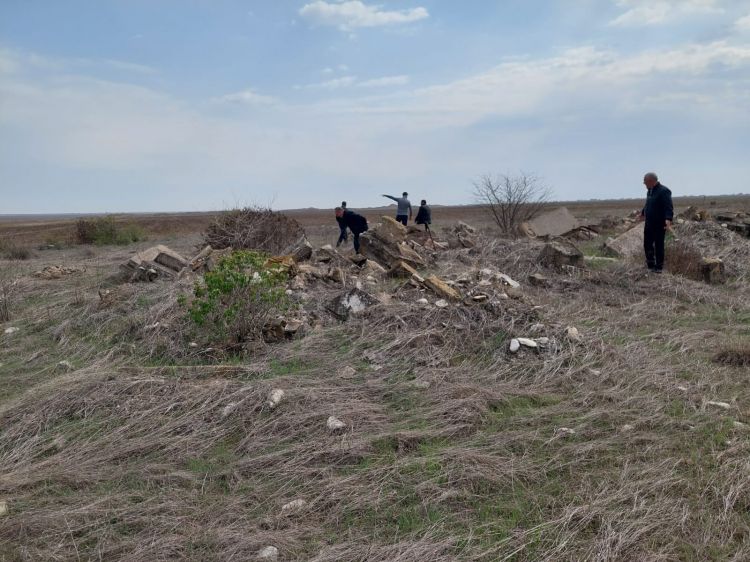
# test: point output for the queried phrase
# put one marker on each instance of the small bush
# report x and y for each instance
(253, 229)
(13, 252)
(105, 230)
(683, 259)
(737, 355)
(238, 297)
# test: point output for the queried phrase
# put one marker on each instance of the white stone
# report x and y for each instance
(536, 328)
(527, 342)
(268, 553)
(421, 385)
(423, 302)
(64, 366)
(228, 409)
(503, 296)
(572, 333)
(565, 431)
(514, 345)
(722, 405)
(740, 425)
(335, 424)
(626, 428)
(486, 272)
(193, 344)
(289, 292)
(293, 506)
(508, 281)
(11, 330)
(348, 372)
(724, 225)
(151, 326)
(275, 398)
(441, 303)
(542, 341)
(682, 388)
(3, 508)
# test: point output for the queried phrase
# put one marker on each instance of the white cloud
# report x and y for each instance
(743, 24)
(352, 81)
(351, 14)
(384, 81)
(248, 97)
(653, 12)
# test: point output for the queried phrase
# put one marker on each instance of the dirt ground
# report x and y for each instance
(121, 440)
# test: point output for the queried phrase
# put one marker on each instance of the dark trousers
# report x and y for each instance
(403, 219)
(342, 237)
(653, 244)
(355, 236)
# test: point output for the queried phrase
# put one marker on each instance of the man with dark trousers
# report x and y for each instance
(354, 222)
(403, 211)
(342, 227)
(658, 214)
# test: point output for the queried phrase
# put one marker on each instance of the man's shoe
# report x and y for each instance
(657, 270)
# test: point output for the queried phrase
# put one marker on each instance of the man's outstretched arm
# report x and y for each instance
(391, 197)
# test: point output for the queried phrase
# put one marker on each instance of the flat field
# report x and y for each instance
(130, 432)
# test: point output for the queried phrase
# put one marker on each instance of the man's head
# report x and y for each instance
(424, 202)
(343, 204)
(339, 212)
(404, 194)
(650, 180)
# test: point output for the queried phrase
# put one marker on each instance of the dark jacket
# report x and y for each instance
(658, 206)
(424, 215)
(354, 221)
(340, 220)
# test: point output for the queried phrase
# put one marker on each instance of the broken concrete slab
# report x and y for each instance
(352, 302)
(402, 269)
(712, 270)
(558, 253)
(628, 244)
(556, 222)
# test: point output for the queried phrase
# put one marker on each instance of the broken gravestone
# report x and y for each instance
(628, 244)
(557, 222)
(712, 270)
(558, 253)
(351, 303)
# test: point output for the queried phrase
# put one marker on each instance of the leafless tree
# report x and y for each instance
(512, 199)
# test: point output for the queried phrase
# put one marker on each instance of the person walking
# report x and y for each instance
(355, 222)
(424, 215)
(658, 215)
(343, 237)
(403, 211)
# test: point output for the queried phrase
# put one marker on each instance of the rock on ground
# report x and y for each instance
(351, 302)
(334, 424)
(268, 553)
(440, 288)
(275, 398)
(628, 244)
(557, 222)
(558, 253)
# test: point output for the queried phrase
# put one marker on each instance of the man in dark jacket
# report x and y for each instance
(424, 215)
(658, 214)
(342, 227)
(354, 222)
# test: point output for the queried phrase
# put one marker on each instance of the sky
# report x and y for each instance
(200, 105)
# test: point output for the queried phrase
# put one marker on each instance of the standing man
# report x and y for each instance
(354, 222)
(658, 214)
(403, 211)
(424, 215)
(342, 227)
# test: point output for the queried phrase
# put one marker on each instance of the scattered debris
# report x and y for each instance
(11, 330)
(334, 424)
(152, 263)
(58, 271)
(386, 244)
(280, 329)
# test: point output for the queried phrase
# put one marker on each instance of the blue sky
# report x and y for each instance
(189, 105)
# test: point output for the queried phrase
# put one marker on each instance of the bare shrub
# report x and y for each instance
(8, 284)
(682, 259)
(253, 228)
(512, 200)
(106, 230)
(14, 252)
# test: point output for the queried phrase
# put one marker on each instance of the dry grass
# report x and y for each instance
(151, 450)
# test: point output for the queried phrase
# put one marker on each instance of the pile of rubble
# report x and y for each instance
(58, 271)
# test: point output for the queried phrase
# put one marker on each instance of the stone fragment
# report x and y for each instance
(352, 302)
(275, 398)
(627, 428)
(441, 303)
(572, 333)
(564, 432)
(334, 424)
(10, 331)
(423, 301)
(717, 404)
(628, 244)
(348, 372)
(559, 253)
(301, 250)
(270, 553)
(294, 506)
(402, 269)
(57, 271)
(480, 297)
(508, 281)
(64, 367)
(526, 342)
(557, 222)
(515, 345)
(538, 280)
(543, 341)
(440, 288)
(3, 508)
(712, 270)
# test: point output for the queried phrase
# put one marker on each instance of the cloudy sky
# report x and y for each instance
(186, 105)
